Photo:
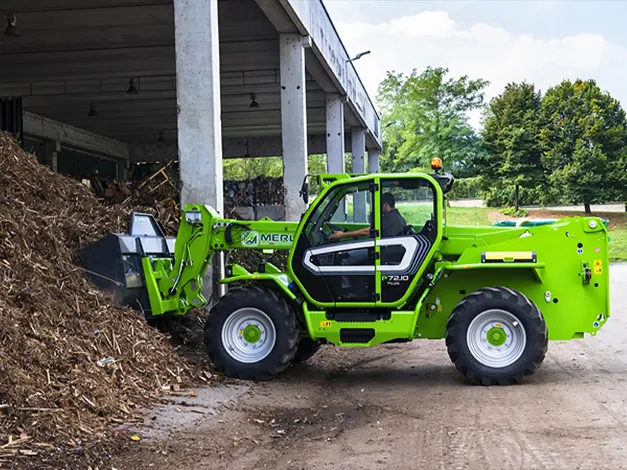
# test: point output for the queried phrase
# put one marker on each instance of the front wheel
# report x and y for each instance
(306, 349)
(251, 334)
(496, 336)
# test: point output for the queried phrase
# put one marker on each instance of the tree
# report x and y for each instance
(238, 169)
(583, 135)
(510, 136)
(425, 116)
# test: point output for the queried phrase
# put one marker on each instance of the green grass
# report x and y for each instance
(467, 216)
(418, 213)
(618, 244)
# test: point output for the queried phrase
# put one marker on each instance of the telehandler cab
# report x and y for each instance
(496, 294)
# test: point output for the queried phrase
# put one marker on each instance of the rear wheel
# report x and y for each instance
(496, 336)
(251, 334)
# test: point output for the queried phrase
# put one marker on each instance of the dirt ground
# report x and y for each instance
(405, 406)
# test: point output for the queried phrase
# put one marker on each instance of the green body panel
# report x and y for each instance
(176, 287)
(272, 274)
(399, 327)
(567, 277)
(580, 308)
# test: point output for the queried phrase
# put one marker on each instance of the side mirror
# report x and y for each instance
(304, 191)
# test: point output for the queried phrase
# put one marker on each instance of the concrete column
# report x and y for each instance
(373, 160)
(293, 122)
(358, 163)
(199, 124)
(123, 170)
(358, 146)
(335, 133)
(51, 157)
(198, 100)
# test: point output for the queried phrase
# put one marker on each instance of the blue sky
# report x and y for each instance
(501, 41)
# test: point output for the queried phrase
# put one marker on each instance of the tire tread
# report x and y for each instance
(284, 314)
(454, 331)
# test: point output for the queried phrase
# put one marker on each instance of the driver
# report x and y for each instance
(392, 222)
(392, 225)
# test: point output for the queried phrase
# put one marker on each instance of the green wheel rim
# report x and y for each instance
(252, 333)
(496, 336)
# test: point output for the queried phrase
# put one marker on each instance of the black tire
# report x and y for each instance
(306, 349)
(283, 319)
(526, 313)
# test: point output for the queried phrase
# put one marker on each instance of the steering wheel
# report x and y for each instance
(334, 227)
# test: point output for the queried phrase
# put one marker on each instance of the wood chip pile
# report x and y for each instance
(70, 362)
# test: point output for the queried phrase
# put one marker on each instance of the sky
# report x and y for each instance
(502, 41)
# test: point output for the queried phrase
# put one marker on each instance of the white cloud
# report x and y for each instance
(482, 51)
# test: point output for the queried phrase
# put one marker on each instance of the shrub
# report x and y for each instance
(512, 212)
(465, 188)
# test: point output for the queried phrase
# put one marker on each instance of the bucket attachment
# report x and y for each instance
(114, 263)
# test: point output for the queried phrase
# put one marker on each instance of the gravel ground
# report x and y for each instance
(405, 406)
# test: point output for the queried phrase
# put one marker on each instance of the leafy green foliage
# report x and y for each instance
(425, 116)
(513, 212)
(499, 195)
(510, 138)
(466, 188)
(583, 137)
(239, 169)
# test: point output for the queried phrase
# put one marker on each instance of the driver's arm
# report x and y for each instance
(362, 232)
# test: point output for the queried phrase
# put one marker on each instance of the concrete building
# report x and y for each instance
(104, 83)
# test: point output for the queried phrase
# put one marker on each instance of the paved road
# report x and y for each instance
(405, 406)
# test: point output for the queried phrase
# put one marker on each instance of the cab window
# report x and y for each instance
(346, 207)
(414, 199)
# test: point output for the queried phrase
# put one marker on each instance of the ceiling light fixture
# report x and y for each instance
(253, 101)
(132, 89)
(11, 30)
(92, 110)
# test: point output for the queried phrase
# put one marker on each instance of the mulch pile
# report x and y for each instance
(71, 363)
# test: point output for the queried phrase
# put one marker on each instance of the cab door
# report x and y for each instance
(338, 271)
(405, 253)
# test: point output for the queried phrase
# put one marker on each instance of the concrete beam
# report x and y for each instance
(49, 129)
(293, 122)
(319, 73)
(52, 5)
(231, 148)
(277, 16)
(138, 25)
(115, 62)
(104, 63)
(335, 133)
(311, 17)
(257, 81)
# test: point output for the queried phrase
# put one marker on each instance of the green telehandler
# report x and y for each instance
(372, 261)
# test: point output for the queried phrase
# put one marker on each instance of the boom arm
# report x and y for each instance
(175, 285)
